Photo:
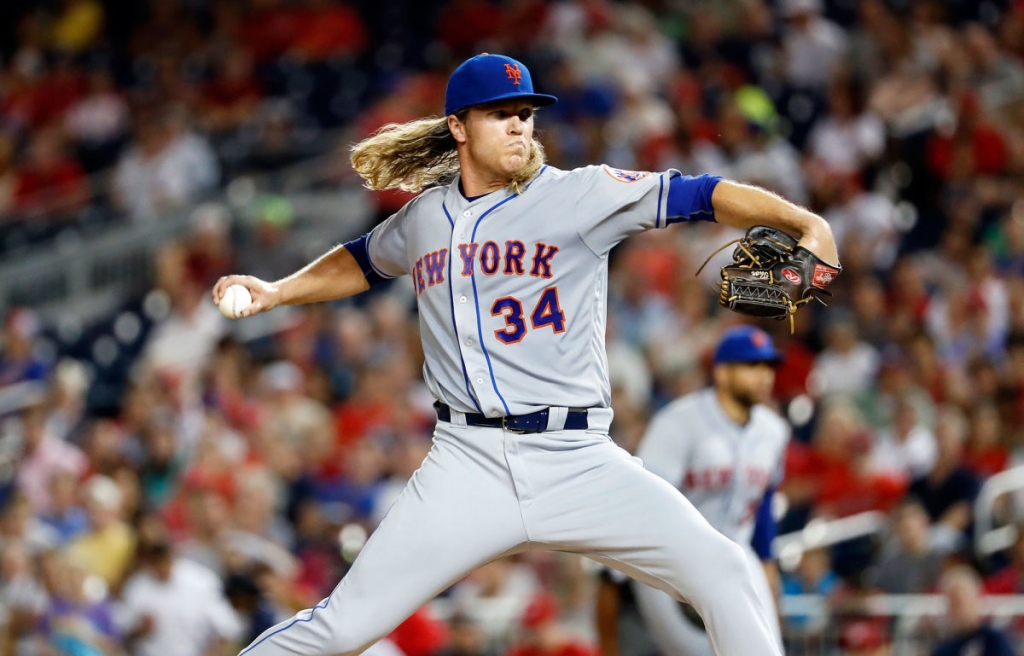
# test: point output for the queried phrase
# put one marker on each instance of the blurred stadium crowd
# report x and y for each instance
(182, 485)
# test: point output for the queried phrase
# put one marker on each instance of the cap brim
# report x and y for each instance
(538, 99)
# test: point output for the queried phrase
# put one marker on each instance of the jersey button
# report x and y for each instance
(467, 213)
(495, 413)
(469, 341)
(462, 299)
(479, 381)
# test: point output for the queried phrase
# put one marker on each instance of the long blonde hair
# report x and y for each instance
(419, 154)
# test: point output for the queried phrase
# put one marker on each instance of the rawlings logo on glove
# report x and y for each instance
(770, 276)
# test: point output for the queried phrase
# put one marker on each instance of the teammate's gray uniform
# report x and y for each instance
(512, 295)
(724, 469)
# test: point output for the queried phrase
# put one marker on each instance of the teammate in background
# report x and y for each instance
(724, 450)
(509, 260)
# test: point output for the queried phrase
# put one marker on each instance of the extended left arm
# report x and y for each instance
(743, 206)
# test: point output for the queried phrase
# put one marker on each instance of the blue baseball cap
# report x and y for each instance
(745, 344)
(486, 78)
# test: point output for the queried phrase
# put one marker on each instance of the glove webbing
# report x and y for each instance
(774, 296)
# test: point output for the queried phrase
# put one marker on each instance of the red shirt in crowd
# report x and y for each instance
(838, 486)
(423, 634)
(986, 462)
(51, 188)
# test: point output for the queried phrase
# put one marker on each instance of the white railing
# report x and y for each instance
(989, 540)
(824, 533)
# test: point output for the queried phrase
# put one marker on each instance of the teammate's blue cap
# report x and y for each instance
(745, 344)
(486, 78)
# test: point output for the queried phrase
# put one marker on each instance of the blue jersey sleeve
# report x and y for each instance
(764, 527)
(689, 198)
(357, 247)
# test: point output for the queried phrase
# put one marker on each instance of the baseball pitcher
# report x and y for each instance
(509, 260)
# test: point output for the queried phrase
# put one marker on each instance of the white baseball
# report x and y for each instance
(236, 298)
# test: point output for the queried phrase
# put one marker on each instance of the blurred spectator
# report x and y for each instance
(68, 388)
(947, 492)
(23, 598)
(831, 476)
(172, 606)
(67, 517)
(906, 450)
(813, 46)
(1010, 579)
(255, 612)
(167, 166)
(76, 619)
(970, 632)
(229, 99)
(914, 566)
(543, 635)
(210, 252)
(863, 638)
(491, 596)
(861, 218)
(98, 122)
(19, 360)
(161, 463)
(20, 526)
(986, 453)
(466, 639)
(208, 520)
(267, 253)
(847, 138)
(258, 532)
(107, 548)
(179, 345)
(50, 183)
(846, 365)
(43, 455)
(812, 576)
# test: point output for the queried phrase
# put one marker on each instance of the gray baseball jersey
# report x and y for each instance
(512, 295)
(724, 469)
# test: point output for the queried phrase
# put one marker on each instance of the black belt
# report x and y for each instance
(535, 422)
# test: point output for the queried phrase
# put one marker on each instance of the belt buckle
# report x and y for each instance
(505, 426)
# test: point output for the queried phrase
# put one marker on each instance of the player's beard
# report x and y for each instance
(746, 398)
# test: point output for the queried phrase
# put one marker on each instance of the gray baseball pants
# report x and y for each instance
(484, 493)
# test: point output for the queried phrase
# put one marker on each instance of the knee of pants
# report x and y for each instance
(734, 560)
(726, 562)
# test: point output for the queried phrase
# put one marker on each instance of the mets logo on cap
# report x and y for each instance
(513, 73)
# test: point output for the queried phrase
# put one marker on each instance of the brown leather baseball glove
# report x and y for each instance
(770, 276)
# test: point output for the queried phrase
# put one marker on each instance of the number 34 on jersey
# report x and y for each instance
(513, 260)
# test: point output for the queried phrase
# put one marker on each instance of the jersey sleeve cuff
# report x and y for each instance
(689, 198)
(360, 251)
